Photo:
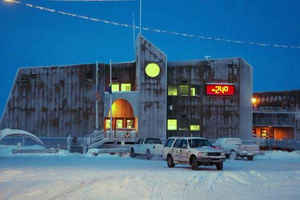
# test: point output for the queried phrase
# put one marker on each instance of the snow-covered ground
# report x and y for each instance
(275, 175)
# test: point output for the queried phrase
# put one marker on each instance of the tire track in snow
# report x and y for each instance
(76, 188)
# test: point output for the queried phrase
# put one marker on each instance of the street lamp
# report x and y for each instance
(9, 1)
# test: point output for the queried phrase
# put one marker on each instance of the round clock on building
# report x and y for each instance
(152, 70)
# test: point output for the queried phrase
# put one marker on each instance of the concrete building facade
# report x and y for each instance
(150, 97)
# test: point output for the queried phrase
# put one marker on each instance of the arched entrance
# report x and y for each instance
(123, 118)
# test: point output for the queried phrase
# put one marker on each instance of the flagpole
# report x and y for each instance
(97, 112)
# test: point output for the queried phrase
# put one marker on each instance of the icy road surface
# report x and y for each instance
(276, 175)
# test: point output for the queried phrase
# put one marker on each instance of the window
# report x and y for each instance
(115, 87)
(178, 143)
(184, 90)
(119, 123)
(125, 87)
(129, 123)
(184, 144)
(194, 143)
(172, 124)
(107, 124)
(195, 127)
(169, 143)
(172, 90)
(193, 91)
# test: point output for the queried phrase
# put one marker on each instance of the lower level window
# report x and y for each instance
(119, 123)
(172, 124)
(129, 123)
(107, 124)
(195, 127)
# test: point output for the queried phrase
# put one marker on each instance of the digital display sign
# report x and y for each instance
(219, 89)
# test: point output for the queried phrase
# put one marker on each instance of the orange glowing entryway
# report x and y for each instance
(122, 116)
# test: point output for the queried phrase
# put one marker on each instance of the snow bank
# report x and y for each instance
(278, 155)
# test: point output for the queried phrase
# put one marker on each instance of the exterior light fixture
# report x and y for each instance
(9, 1)
(253, 100)
(152, 70)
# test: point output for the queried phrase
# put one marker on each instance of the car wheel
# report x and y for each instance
(194, 163)
(250, 157)
(233, 155)
(132, 153)
(170, 161)
(219, 166)
(148, 154)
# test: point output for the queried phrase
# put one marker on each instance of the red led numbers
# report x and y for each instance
(219, 89)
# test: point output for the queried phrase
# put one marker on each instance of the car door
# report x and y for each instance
(184, 153)
(177, 150)
(138, 146)
(167, 147)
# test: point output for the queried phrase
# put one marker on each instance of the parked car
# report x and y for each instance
(193, 151)
(148, 147)
(235, 148)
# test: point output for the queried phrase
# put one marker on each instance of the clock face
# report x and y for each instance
(152, 70)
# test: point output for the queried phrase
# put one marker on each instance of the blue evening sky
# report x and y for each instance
(31, 37)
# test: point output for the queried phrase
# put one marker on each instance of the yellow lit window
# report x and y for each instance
(107, 124)
(115, 87)
(184, 90)
(125, 87)
(193, 91)
(129, 123)
(195, 127)
(119, 123)
(172, 124)
(172, 91)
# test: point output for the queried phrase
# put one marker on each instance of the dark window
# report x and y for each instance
(194, 143)
(152, 141)
(177, 143)
(184, 144)
(169, 143)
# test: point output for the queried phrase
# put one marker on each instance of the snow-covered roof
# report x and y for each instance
(9, 132)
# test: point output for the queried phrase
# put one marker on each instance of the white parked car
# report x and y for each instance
(148, 147)
(194, 151)
(235, 148)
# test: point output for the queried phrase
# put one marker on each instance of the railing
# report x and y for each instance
(125, 135)
(274, 121)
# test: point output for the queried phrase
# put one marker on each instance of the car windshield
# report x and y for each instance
(194, 143)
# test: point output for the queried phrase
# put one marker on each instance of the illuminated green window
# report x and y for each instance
(184, 90)
(195, 127)
(119, 123)
(107, 124)
(115, 87)
(193, 91)
(172, 91)
(172, 124)
(125, 87)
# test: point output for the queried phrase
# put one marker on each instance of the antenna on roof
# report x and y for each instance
(140, 16)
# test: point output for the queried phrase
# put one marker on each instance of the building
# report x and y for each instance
(150, 97)
(276, 115)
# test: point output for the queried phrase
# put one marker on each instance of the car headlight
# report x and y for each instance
(223, 154)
